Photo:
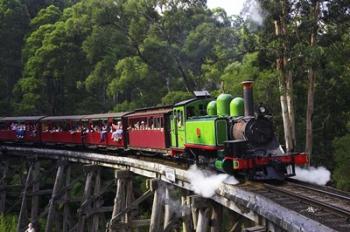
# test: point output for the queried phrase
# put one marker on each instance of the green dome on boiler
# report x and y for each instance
(223, 104)
(237, 107)
(211, 108)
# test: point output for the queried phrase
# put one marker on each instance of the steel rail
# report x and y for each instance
(315, 189)
(310, 200)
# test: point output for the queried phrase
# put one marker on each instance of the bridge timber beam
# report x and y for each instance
(257, 208)
(3, 175)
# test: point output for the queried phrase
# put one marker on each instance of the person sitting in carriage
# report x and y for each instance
(103, 133)
(117, 131)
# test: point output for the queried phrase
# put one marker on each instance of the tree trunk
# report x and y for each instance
(285, 82)
(310, 111)
(291, 111)
(311, 84)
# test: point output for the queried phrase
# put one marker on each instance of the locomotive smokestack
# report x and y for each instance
(248, 98)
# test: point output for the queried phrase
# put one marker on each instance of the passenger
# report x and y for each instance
(91, 128)
(142, 126)
(13, 126)
(30, 228)
(34, 130)
(53, 129)
(137, 126)
(103, 133)
(73, 130)
(20, 131)
(117, 135)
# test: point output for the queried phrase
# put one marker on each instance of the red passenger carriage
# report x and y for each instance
(149, 128)
(26, 129)
(115, 133)
(62, 129)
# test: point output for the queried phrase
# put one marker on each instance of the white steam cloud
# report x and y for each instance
(205, 183)
(252, 11)
(313, 175)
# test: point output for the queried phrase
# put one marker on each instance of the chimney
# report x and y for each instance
(248, 98)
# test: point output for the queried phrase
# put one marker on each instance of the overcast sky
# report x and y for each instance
(230, 6)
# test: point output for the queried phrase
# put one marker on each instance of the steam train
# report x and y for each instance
(226, 134)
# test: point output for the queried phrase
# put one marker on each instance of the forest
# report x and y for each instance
(74, 57)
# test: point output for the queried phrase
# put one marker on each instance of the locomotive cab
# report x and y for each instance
(182, 112)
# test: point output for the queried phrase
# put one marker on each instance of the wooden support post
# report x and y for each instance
(270, 226)
(120, 198)
(194, 214)
(87, 194)
(203, 207)
(167, 207)
(129, 199)
(133, 205)
(23, 218)
(237, 218)
(98, 202)
(157, 207)
(203, 220)
(35, 198)
(66, 210)
(187, 225)
(3, 175)
(216, 217)
(52, 203)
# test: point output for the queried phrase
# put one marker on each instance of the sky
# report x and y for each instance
(230, 6)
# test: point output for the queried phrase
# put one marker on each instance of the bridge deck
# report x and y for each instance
(252, 205)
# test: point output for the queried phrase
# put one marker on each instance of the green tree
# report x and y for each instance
(14, 21)
(56, 63)
(342, 162)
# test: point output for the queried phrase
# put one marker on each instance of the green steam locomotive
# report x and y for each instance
(229, 135)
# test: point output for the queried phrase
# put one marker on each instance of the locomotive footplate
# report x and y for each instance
(273, 167)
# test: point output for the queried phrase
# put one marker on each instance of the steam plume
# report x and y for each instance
(205, 183)
(313, 175)
(252, 11)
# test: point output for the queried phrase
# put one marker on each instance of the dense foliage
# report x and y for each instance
(74, 57)
(8, 222)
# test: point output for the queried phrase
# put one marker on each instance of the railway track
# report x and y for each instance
(325, 205)
(329, 206)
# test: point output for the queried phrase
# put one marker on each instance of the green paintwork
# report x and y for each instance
(219, 165)
(237, 107)
(208, 131)
(221, 131)
(178, 127)
(181, 114)
(223, 104)
(211, 108)
(224, 165)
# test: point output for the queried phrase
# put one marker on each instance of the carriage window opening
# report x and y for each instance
(180, 118)
(158, 124)
(150, 124)
(177, 118)
(190, 111)
(3, 126)
(202, 110)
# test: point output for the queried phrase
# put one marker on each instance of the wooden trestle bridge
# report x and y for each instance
(260, 204)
